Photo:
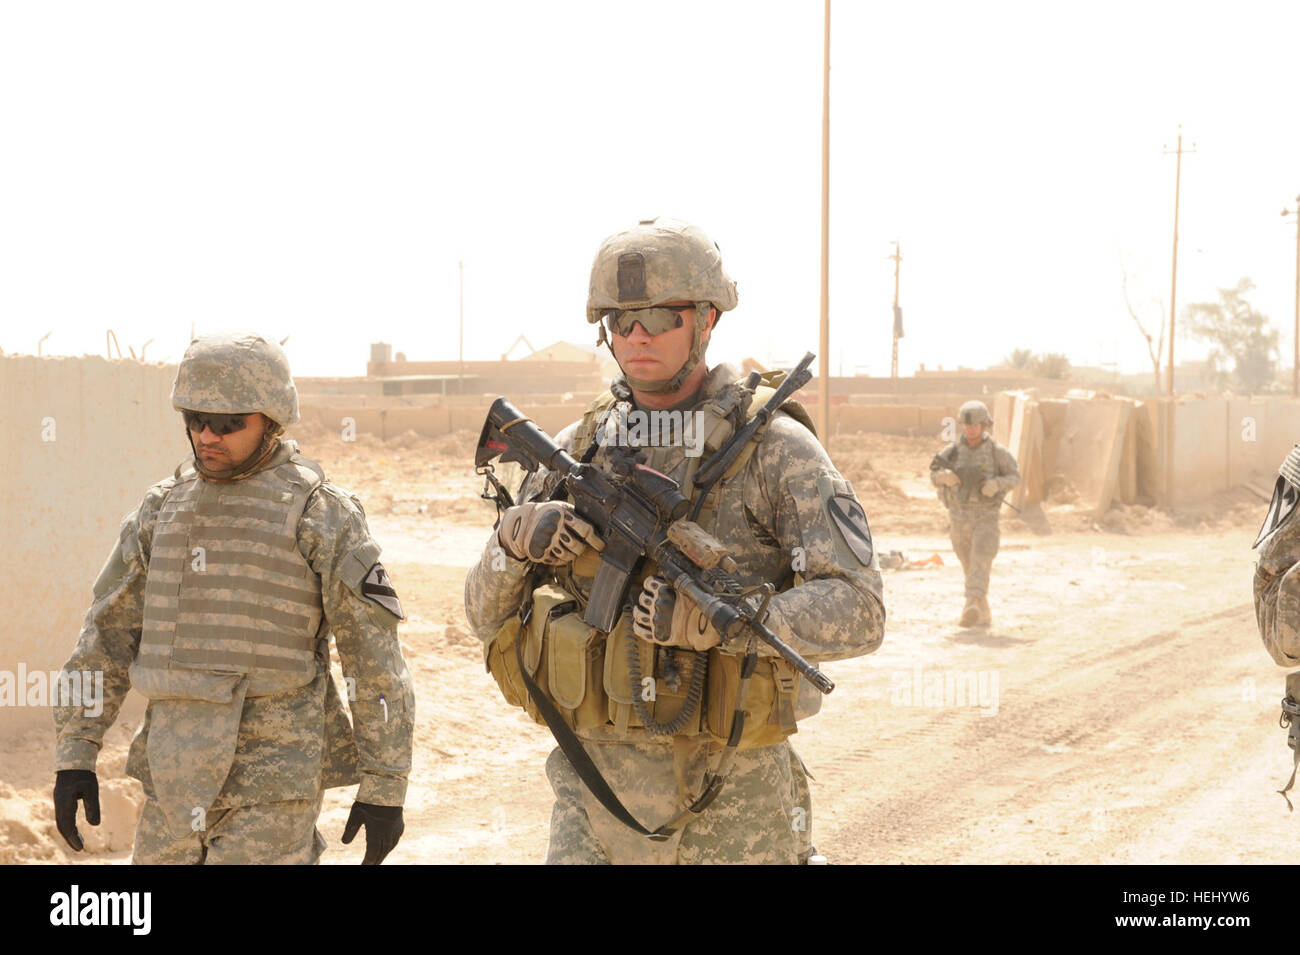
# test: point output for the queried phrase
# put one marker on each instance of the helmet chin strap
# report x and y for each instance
(671, 384)
(270, 442)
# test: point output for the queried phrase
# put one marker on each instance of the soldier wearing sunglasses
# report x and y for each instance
(217, 603)
(651, 702)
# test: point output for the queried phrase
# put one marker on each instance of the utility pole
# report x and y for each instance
(1173, 285)
(824, 365)
(460, 358)
(898, 315)
(1295, 366)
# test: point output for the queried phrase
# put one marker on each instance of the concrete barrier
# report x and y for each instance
(1199, 460)
(84, 438)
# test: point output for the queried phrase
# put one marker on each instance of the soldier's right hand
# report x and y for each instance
(69, 786)
(947, 479)
(546, 532)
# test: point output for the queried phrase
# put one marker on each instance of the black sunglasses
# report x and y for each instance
(221, 424)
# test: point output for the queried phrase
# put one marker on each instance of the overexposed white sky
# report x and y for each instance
(317, 169)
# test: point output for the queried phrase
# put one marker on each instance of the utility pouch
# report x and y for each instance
(769, 703)
(552, 631)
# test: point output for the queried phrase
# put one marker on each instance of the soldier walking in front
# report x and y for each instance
(651, 701)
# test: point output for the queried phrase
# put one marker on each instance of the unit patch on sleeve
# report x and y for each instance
(851, 521)
(377, 587)
(1280, 509)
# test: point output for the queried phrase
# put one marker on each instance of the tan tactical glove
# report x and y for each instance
(990, 487)
(546, 532)
(663, 619)
(946, 479)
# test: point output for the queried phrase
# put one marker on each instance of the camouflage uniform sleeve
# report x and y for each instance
(1277, 594)
(494, 587)
(110, 638)
(334, 539)
(838, 611)
(1008, 472)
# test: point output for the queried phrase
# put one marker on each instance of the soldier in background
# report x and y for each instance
(973, 475)
(788, 518)
(217, 603)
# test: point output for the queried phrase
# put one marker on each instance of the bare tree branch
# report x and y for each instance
(1153, 349)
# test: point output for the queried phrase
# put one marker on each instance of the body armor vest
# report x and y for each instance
(589, 675)
(974, 466)
(228, 593)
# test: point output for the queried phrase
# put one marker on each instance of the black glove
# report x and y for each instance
(384, 827)
(69, 786)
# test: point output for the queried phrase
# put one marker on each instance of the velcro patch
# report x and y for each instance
(378, 588)
(631, 277)
(851, 521)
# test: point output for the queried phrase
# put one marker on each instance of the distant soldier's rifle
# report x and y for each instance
(969, 477)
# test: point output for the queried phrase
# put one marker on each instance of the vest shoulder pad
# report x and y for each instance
(303, 471)
(793, 408)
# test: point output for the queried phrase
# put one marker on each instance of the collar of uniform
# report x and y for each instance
(718, 378)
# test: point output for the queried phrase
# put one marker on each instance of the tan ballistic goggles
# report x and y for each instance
(655, 321)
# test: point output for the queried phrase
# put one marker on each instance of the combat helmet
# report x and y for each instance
(234, 373)
(659, 261)
(975, 412)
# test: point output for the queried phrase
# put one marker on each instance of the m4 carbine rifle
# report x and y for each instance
(971, 479)
(639, 512)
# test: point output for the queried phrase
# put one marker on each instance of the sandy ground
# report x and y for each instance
(1120, 709)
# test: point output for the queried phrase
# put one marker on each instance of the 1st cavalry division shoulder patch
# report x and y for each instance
(851, 521)
(378, 587)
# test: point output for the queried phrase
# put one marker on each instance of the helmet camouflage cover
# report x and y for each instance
(659, 261)
(236, 373)
(975, 412)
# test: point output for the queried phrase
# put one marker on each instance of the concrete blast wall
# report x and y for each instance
(84, 439)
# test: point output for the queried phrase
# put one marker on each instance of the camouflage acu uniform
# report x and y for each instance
(1277, 584)
(973, 517)
(771, 512)
(1277, 594)
(260, 762)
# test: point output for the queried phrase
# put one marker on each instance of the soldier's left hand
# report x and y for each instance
(663, 619)
(989, 487)
(384, 827)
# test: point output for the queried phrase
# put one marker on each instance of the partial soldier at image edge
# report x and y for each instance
(1276, 591)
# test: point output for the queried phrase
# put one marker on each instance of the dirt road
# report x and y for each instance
(1121, 709)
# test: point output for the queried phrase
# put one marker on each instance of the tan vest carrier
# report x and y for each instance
(587, 673)
(228, 592)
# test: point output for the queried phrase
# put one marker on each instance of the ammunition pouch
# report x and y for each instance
(561, 653)
(769, 703)
(588, 676)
